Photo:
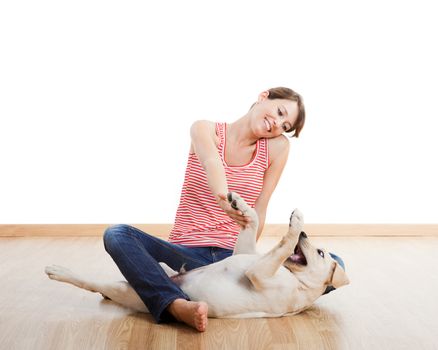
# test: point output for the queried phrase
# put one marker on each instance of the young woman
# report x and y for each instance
(247, 157)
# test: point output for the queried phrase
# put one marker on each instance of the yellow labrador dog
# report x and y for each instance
(286, 280)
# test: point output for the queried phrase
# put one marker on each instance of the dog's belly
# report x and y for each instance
(229, 293)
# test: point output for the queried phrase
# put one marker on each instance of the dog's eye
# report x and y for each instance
(320, 252)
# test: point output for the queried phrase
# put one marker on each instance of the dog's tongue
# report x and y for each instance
(297, 258)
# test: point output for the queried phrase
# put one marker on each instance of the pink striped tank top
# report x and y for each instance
(199, 220)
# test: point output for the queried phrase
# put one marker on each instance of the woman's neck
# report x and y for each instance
(240, 133)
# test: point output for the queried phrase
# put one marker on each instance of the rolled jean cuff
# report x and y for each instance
(162, 315)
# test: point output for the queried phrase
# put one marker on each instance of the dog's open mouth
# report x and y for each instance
(298, 256)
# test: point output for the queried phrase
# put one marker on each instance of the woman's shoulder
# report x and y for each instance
(202, 128)
(278, 146)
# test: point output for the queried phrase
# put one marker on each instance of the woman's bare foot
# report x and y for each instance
(192, 313)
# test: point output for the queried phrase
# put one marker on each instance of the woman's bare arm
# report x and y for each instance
(204, 144)
(278, 153)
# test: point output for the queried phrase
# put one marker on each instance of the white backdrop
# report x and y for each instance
(97, 98)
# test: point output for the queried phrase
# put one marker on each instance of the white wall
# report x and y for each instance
(97, 98)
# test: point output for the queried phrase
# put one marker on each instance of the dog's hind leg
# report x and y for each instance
(269, 263)
(119, 292)
(246, 241)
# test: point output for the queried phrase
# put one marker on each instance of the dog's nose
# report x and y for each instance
(303, 234)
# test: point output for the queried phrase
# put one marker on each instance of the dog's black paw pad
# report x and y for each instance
(234, 205)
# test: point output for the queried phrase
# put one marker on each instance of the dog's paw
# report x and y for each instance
(59, 273)
(296, 221)
(238, 202)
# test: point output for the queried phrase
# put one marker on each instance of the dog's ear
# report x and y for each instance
(339, 277)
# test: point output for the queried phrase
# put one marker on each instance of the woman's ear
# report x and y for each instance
(263, 96)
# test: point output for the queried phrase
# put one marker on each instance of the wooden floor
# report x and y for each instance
(392, 302)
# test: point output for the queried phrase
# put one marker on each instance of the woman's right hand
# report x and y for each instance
(234, 214)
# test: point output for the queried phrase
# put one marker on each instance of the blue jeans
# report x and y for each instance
(137, 255)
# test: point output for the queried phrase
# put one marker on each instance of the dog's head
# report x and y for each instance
(314, 267)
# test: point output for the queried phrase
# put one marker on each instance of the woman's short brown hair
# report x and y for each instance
(288, 94)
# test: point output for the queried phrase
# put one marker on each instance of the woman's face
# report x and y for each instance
(271, 118)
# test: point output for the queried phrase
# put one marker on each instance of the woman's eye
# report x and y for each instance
(279, 112)
(320, 252)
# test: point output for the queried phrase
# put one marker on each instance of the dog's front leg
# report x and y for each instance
(269, 263)
(246, 241)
